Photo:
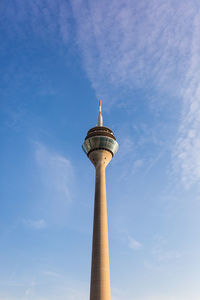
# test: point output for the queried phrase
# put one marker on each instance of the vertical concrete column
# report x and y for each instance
(100, 273)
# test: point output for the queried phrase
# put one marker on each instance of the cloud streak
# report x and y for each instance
(51, 274)
(56, 173)
(36, 224)
(45, 19)
(125, 45)
(187, 150)
(56, 176)
(133, 244)
(129, 44)
(162, 254)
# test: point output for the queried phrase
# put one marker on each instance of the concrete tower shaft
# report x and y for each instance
(100, 146)
(100, 272)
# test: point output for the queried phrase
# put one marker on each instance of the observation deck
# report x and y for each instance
(100, 138)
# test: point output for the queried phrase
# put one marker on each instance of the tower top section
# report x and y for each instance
(100, 138)
(100, 118)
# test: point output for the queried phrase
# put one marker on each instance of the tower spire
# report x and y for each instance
(100, 118)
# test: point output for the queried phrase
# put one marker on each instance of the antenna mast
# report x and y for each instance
(100, 118)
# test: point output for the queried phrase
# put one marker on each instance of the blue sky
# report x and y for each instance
(57, 59)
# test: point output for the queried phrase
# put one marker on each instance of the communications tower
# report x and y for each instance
(100, 146)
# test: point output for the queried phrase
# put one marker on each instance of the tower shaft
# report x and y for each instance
(100, 272)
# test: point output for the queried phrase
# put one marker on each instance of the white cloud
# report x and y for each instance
(51, 273)
(187, 150)
(125, 44)
(36, 224)
(56, 189)
(45, 18)
(126, 147)
(165, 256)
(162, 254)
(130, 44)
(27, 292)
(137, 165)
(56, 173)
(133, 244)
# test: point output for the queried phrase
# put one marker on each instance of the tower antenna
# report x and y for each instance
(100, 118)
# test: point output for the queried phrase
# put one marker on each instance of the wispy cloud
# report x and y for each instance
(56, 173)
(187, 150)
(137, 165)
(27, 288)
(27, 292)
(133, 157)
(57, 184)
(133, 244)
(36, 224)
(44, 18)
(125, 44)
(126, 147)
(161, 252)
(128, 240)
(130, 44)
(52, 273)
